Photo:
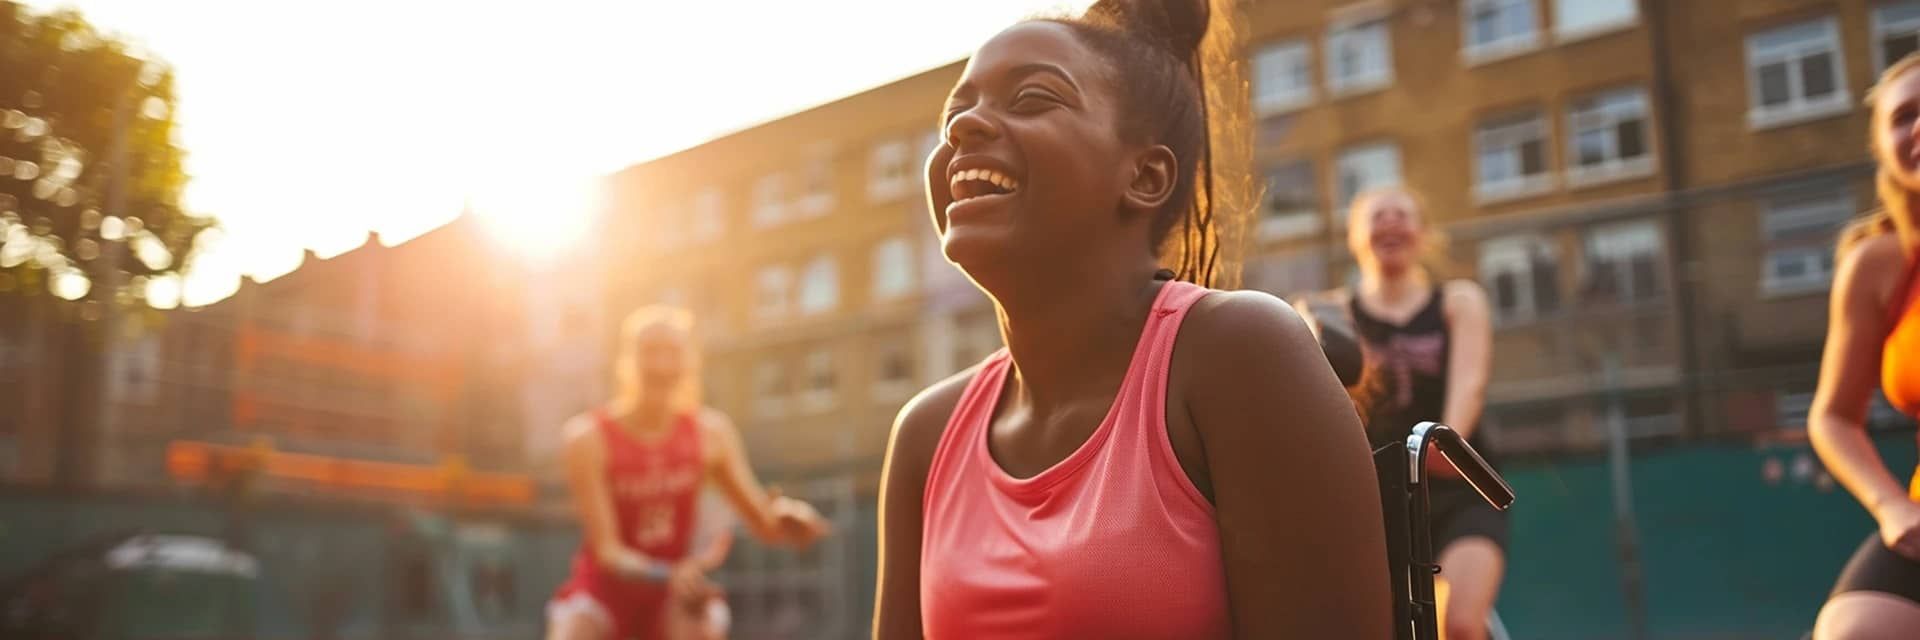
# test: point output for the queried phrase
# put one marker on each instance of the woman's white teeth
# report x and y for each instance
(988, 176)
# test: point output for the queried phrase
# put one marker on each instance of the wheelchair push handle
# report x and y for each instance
(1461, 455)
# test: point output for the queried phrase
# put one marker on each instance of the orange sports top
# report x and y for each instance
(1900, 353)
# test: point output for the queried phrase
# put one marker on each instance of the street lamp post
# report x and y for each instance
(1625, 529)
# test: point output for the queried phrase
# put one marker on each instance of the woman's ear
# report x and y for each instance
(1155, 172)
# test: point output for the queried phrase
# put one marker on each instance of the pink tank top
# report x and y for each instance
(1112, 542)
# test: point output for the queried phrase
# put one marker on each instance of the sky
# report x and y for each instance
(308, 124)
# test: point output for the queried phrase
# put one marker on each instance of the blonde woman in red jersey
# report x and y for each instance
(1873, 341)
(1148, 458)
(636, 468)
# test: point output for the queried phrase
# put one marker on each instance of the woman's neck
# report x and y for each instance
(1069, 338)
(1393, 288)
(638, 412)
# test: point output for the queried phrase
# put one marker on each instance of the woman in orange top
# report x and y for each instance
(1873, 340)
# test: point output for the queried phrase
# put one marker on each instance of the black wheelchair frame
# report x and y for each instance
(1402, 471)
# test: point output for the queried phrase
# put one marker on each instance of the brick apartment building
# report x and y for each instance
(430, 350)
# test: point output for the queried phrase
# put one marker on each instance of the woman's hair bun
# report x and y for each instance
(1177, 25)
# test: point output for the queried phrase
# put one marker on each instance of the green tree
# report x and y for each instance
(90, 186)
(90, 178)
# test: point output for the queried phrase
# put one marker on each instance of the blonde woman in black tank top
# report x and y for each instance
(1426, 347)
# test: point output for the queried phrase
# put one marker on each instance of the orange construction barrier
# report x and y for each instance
(201, 462)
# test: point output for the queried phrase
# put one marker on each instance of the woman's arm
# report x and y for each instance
(586, 468)
(772, 518)
(903, 484)
(1469, 355)
(1849, 372)
(1295, 495)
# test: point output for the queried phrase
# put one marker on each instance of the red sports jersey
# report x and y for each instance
(655, 486)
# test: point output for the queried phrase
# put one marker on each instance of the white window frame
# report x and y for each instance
(1882, 28)
(1830, 211)
(1296, 222)
(1277, 60)
(1797, 109)
(1565, 33)
(769, 207)
(1368, 33)
(709, 215)
(888, 175)
(816, 203)
(1521, 127)
(819, 286)
(819, 400)
(1514, 254)
(926, 145)
(1608, 117)
(1359, 161)
(893, 268)
(1623, 242)
(773, 292)
(1481, 53)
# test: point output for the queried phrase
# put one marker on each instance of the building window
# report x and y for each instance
(1896, 32)
(820, 286)
(1363, 168)
(892, 268)
(1291, 203)
(1799, 237)
(1609, 133)
(1282, 77)
(918, 163)
(1522, 275)
(709, 215)
(820, 382)
(1623, 263)
(1575, 18)
(888, 175)
(770, 389)
(1511, 157)
(816, 186)
(893, 374)
(769, 200)
(1498, 28)
(1359, 57)
(1795, 74)
(775, 287)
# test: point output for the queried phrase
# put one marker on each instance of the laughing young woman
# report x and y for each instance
(1149, 457)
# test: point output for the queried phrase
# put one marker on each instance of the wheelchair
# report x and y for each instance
(1402, 472)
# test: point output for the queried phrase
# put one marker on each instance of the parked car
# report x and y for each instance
(134, 586)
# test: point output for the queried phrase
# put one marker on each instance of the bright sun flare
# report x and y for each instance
(538, 220)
